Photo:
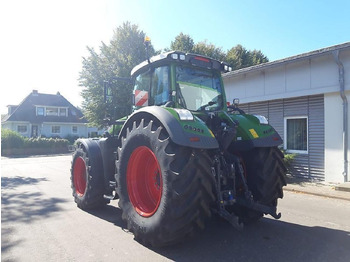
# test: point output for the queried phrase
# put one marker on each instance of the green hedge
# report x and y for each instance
(11, 140)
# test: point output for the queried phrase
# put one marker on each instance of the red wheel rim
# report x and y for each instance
(79, 176)
(144, 181)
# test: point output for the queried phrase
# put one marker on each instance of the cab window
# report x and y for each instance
(141, 89)
(160, 85)
(152, 87)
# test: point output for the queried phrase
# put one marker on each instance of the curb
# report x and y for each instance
(341, 195)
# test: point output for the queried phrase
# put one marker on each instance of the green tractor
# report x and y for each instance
(182, 155)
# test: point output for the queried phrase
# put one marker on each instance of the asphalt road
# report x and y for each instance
(40, 222)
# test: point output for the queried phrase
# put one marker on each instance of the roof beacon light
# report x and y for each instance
(147, 39)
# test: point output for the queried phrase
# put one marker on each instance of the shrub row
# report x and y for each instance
(11, 140)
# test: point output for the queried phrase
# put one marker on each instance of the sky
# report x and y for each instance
(42, 42)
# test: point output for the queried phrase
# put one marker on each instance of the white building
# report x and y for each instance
(45, 115)
(305, 98)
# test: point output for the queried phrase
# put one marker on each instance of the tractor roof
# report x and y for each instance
(183, 58)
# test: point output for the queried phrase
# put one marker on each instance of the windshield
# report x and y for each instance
(198, 90)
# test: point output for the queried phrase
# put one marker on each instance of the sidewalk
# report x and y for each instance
(337, 191)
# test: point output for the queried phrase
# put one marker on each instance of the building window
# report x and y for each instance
(51, 111)
(56, 130)
(22, 129)
(40, 111)
(63, 112)
(74, 129)
(296, 134)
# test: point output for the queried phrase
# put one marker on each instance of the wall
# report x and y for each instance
(334, 154)
(275, 83)
(308, 165)
(66, 129)
(13, 126)
(316, 75)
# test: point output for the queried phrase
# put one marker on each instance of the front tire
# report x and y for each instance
(86, 181)
(165, 190)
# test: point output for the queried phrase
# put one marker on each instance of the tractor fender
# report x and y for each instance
(251, 134)
(191, 133)
(93, 151)
(101, 154)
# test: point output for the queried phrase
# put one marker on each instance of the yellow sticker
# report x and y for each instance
(211, 133)
(253, 132)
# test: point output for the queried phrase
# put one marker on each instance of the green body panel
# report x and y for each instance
(249, 127)
(115, 129)
(195, 127)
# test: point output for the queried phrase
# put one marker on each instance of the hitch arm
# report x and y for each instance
(259, 207)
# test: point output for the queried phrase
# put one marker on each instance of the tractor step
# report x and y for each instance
(113, 194)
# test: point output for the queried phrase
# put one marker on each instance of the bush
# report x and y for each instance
(45, 142)
(288, 159)
(11, 139)
(71, 139)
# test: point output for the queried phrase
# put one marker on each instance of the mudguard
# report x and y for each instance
(191, 133)
(93, 150)
(250, 134)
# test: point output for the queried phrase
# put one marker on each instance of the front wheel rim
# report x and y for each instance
(79, 176)
(144, 181)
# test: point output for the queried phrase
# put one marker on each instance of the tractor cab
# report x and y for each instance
(180, 80)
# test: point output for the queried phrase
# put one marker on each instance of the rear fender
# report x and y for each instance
(191, 133)
(96, 158)
(250, 134)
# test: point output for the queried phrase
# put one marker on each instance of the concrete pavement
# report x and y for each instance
(337, 191)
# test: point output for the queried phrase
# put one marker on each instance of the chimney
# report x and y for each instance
(58, 94)
(35, 92)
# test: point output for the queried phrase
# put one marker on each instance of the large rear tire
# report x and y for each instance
(165, 190)
(266, 176)
(86, 182)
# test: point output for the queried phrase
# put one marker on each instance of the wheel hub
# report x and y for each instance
(144, 181)
(79, 176)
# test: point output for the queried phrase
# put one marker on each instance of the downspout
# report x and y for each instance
(345, 112)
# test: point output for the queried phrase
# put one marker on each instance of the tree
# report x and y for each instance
(239, 57)
(257, 57)
(183, 43)
(125, 50)
(210, 50)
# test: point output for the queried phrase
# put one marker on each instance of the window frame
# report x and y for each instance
(26, 127)
(50, 110)
(54, 133)
(60, 109)
(73, 130)
(155, 85)
(43, 111)
(293, 151)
